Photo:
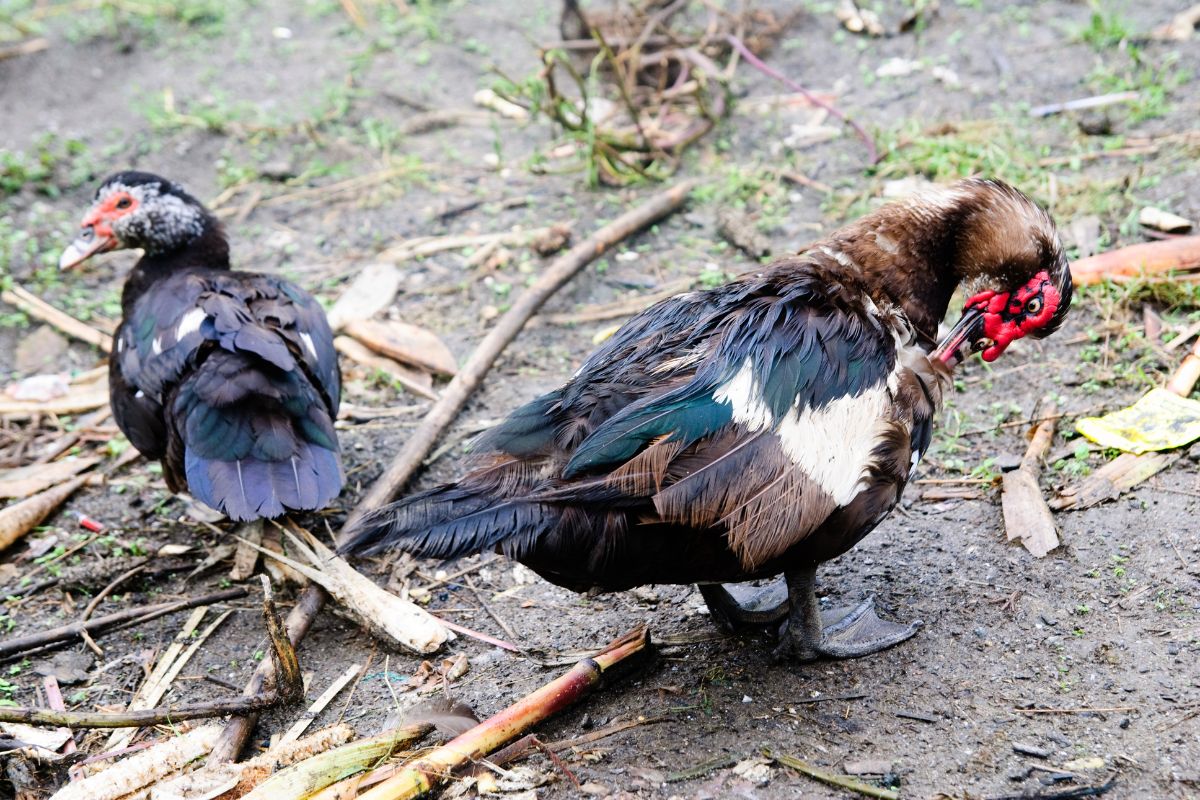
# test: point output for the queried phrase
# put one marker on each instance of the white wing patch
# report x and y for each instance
(916, 460)
(190, 323)
(156, 345)
(308, 344)
(832, 444)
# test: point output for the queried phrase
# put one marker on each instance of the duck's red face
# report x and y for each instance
(992, 320)
(97, 234)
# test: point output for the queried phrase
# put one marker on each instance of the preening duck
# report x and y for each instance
(758, 428)
(230, 378)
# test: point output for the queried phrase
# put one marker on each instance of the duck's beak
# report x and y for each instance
(86, 245)
(965, 336)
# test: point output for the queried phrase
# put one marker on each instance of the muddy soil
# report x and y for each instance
(1089, 655)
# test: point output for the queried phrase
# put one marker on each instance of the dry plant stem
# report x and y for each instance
(65, 633)
(430, 770)
(850, 784)
(1026, 515)
(288, 688)
(238, 730)
(38, 308)
(763, 67)
(23, 49)
(472, 373)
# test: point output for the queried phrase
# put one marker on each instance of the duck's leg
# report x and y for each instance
(845, 633)
(737, 604)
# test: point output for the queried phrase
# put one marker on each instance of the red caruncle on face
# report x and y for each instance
(1009, 316)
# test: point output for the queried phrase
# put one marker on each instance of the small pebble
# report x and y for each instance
(1048, 620)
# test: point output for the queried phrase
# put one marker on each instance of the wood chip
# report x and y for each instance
(1163, 220)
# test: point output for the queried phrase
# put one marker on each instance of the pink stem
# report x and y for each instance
(763, 67)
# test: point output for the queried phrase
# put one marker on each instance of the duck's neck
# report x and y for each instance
(910, 255)
(209, 250)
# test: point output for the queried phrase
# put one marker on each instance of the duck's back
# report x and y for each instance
(232, 380)
(716, 436)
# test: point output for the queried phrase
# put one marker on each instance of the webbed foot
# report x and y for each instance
(848, 632)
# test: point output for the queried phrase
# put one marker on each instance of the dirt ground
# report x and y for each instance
(1089, 655)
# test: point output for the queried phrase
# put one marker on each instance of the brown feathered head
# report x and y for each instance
(1013, 269)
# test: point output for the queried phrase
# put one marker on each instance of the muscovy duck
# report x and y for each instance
(758, 428)
(230, 378)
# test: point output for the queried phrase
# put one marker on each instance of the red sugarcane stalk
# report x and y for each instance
(426, 772)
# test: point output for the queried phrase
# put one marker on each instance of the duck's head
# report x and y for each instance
(1012, 268)
(139, 210)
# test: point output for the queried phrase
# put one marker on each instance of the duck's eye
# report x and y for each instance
(124, 202)
(1033, 306)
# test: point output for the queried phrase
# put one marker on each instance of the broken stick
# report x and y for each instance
(35, 641)
(38, 308)
(1026, 515)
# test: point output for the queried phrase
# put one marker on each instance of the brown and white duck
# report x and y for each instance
(758, 428)
(230, 378)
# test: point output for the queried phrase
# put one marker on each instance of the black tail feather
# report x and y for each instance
(448, 522)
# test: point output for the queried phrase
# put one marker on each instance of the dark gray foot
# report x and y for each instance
(848, 632)
(737, 604)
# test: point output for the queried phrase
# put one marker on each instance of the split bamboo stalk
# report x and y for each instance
(428, 771)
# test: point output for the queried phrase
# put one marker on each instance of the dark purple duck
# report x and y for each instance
(758, 428)
(230, 378)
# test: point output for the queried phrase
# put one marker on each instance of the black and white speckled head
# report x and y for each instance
(139, 210)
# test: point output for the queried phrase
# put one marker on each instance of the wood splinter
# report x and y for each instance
(1026, 515)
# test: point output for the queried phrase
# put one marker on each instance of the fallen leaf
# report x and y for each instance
(409, 344)
(418, 382)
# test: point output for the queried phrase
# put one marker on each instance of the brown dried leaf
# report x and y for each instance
(409, 344)
(419, 383)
